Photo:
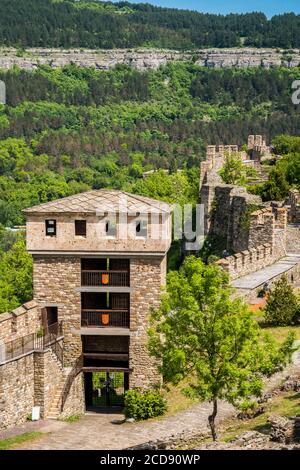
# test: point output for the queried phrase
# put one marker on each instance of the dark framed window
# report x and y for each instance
(52, 316)
(50, 228)
(80, 228)
(111, 228)
(141, 228)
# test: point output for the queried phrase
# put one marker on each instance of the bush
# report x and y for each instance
(282, 306)
(143, 405)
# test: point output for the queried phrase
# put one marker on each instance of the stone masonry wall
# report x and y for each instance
(146, 280)
(22, 321)
(227, 214)
(75, 403)
(248, 261)
(266, 242)
(55, 282)
(16, 391)
(31, 380)
(293, 239)
(48, 379)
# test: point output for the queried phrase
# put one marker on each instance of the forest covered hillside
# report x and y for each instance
(95, 24)
(70, 129)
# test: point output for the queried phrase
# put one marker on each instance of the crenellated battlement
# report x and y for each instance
(20, 322)
(248, 261)
(256, 232)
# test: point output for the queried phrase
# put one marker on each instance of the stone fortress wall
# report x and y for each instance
(31, 377)
(257, 234)
(22, 321)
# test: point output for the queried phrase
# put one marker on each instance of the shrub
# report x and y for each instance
(143, 405)
(282, 306)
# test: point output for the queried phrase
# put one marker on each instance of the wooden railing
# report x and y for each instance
(105, 318)
(35, 342)
(105, 278)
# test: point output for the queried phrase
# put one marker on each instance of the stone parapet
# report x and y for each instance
(248, 261)
(20, 322)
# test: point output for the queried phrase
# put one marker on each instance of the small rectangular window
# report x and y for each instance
(141, 228)
(111, 228)
(51, 313)
(80, 228)
(50, 228)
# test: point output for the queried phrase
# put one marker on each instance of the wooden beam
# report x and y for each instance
(112, 356)
(106, 369)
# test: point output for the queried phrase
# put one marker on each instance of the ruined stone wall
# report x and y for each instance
(22, 321)
(55, 279)
(228, 213)
(146, 276)
(16, 391)
(239, 220)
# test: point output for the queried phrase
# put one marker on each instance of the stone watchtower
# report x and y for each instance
(99, 264)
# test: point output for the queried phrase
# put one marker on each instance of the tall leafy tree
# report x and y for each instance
(202, 333)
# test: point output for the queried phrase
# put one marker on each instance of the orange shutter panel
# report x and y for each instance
(105, 279)
(105, 318)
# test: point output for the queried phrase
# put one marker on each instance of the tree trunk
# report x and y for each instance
(211, 420)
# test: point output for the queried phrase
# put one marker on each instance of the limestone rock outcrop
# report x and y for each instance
(143, 59)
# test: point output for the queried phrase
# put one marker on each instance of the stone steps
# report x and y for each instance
(54, 410)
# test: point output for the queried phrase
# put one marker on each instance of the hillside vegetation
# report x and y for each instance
(68, 130)
(95, 24)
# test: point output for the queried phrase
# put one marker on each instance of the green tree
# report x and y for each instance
(282, 306)
(180, 187)
(15, 277)
(276, 188)
(233, 170)
(202, 333)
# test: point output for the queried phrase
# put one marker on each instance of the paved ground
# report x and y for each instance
(107, 431)
(254, 280)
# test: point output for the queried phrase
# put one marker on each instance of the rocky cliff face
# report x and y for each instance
(143, 59)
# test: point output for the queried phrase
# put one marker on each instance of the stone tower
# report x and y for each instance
(99, 264)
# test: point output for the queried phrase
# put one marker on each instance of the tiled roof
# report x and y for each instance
(101, 200)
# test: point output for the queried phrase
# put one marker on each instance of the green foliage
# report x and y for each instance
(282, 306)
(144, 405)
(245, 217)
(180, 188)
(276, 188)
(286, 172)
(15, 277)
(52, 23)
(69, 129)
(200, 331)
(233, 170)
